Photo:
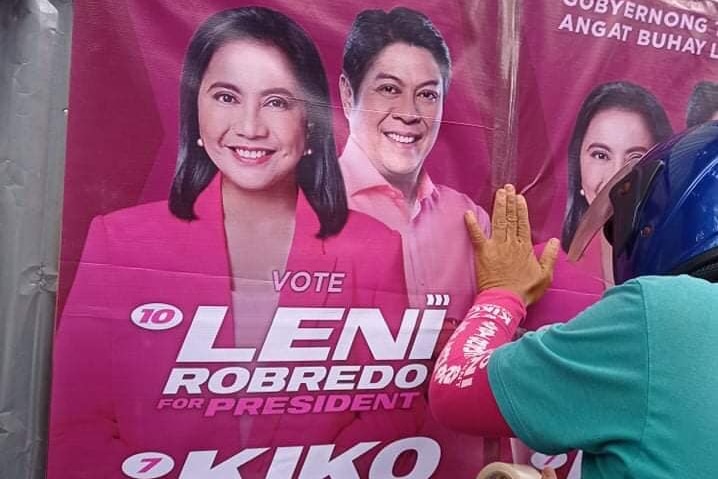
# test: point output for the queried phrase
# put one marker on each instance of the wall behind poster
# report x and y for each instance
(34, 65)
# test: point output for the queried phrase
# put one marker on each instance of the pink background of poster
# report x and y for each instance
(559, 68)
(124, 96)
(127, 59)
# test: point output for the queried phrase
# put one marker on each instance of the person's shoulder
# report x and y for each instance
(150, 236)
(360, 226)
(374, 250)
(672, 283)
(676, 289)
(664, 296)
(448, 194)
(144, 224)
(137, 212)
(450, 199)
(366, 240)
(140, 217)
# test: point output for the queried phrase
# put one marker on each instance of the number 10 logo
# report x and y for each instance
(156, 316)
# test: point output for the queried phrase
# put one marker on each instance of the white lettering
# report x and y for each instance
(419, 371)
(428, 454)
(341, 378)
(301, 281)
(285, 329)
(336, 282)
(375, 330)
(189, 378)
(284, 462)
(319, 462)
(367, 381)
(217, 384)
(310, 377)
(198, 344)
(268, 380)
(200, 464)
(432, 321)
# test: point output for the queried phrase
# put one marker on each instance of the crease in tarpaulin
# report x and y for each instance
(706, 8)
(505, 144)
(443, 121)
(9, 424)
(13, 179)
(702, 7)
(38, 278)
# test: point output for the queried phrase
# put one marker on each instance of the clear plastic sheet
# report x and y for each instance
(528, 93)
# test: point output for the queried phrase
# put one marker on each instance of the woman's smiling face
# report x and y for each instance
(613, 137)
(251, 121)
(396, 113)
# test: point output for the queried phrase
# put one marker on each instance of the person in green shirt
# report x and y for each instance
(632, 380)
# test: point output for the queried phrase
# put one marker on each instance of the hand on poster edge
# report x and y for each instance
(506, 259)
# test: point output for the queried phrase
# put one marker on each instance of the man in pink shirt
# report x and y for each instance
(434, 258)
(395, 76)
(394, 80)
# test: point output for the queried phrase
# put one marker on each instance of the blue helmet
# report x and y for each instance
(663, 213)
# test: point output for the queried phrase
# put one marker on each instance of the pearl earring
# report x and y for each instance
(200, 143)
(581, 192)
(308, 152)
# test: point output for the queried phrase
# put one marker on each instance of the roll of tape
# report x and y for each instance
(502, 470)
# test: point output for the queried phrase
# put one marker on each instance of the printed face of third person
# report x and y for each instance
(613, 137)
(396, 114)
(250, 119)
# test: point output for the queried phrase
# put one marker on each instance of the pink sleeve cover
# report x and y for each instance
(460, 396)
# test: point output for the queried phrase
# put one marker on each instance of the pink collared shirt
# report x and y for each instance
(437, 261)
(437, 251)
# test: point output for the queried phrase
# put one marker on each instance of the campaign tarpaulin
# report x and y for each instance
(263, 245)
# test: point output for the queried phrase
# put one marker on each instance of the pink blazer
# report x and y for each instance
(109, 373)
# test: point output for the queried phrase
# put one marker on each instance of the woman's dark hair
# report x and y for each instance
(619, 95)
(317, 173)
(703, 103)
(374, 30)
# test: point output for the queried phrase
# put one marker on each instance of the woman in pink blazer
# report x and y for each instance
(257, 209)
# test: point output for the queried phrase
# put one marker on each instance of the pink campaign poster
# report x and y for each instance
(263, 248)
